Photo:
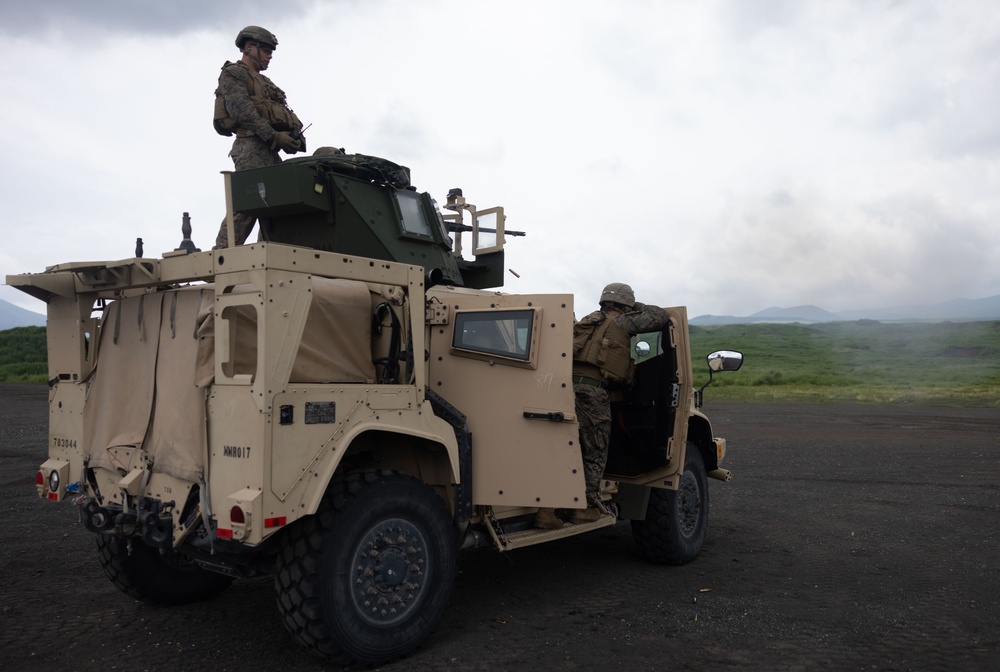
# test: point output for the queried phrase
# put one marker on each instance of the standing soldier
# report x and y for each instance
(249, 105)
(602, 359)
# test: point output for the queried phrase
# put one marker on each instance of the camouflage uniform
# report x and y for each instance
(593, 404)
(254, 135)
(593, 411)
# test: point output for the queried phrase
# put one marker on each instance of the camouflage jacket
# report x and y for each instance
(642, 319)
(610, 360)
(249, 103)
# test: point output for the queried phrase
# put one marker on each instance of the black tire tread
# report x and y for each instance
(297, 579)
(153, 578)
(658, 537)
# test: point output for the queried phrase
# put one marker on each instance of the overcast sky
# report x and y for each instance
(725, 155)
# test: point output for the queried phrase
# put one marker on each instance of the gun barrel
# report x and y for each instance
(454, 227)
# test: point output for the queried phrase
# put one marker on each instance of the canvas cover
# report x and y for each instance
(337, 344)
(142, 392)
(335, 347)
(156, 361)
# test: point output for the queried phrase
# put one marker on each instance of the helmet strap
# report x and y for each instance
(254, 58)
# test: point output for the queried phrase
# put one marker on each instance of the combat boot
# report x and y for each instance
(546, 519)
(588, 515)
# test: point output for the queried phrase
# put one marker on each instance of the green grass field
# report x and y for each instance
(858, 362)
(862, 362)
(22, 355)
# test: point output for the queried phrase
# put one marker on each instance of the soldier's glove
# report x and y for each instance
(284, 141)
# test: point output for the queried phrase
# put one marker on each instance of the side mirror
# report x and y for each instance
(725, 360)
(720, 360)
(642, 348)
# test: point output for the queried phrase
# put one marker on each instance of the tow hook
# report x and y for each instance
(94, 517)
(157, 530)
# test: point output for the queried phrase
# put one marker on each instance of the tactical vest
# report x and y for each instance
(267, 99)
(600, 341)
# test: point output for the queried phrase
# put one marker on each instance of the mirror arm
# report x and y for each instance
(698, 393)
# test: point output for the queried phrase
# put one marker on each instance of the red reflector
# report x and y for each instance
(223, 533)
(54, 496)
(40, 479)
(275, 522)
(236, 515)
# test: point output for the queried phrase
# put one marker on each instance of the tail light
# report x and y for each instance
(51, 479)
(236, 516)
(244, 512)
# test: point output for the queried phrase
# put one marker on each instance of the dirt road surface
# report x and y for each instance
(852, 537)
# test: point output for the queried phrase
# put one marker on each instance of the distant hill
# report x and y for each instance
(801, 314)
(796, 314)
(14, 316)
(956, 310)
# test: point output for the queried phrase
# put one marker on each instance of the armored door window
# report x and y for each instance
(497, 335)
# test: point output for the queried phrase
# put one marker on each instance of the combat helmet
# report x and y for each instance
(619, 292)
(257, 34)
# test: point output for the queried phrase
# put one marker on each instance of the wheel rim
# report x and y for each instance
(688, 504)
(389, 571)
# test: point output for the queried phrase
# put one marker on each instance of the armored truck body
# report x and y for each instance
(345, 404)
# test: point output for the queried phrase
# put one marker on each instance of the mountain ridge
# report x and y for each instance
(14, 316)
(954, 310)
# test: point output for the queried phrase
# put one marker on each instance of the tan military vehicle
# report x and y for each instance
(345, 405)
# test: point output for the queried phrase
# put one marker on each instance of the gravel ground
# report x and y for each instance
(852, 537)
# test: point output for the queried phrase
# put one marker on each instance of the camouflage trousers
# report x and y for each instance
(593, 412)
(247, 153)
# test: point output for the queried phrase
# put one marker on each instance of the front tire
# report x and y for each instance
(676, 520)
(162, 579)
(366, 579)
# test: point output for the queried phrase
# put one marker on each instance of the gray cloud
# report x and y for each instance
(747, 20)
(725, 155)
(909, 248)
(97, 20)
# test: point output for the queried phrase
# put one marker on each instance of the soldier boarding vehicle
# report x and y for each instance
(345, 405)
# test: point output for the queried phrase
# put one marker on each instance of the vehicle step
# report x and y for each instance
(537, 536)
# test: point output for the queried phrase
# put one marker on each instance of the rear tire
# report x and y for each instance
(366, 579)
(163, 579)
(676, 520)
